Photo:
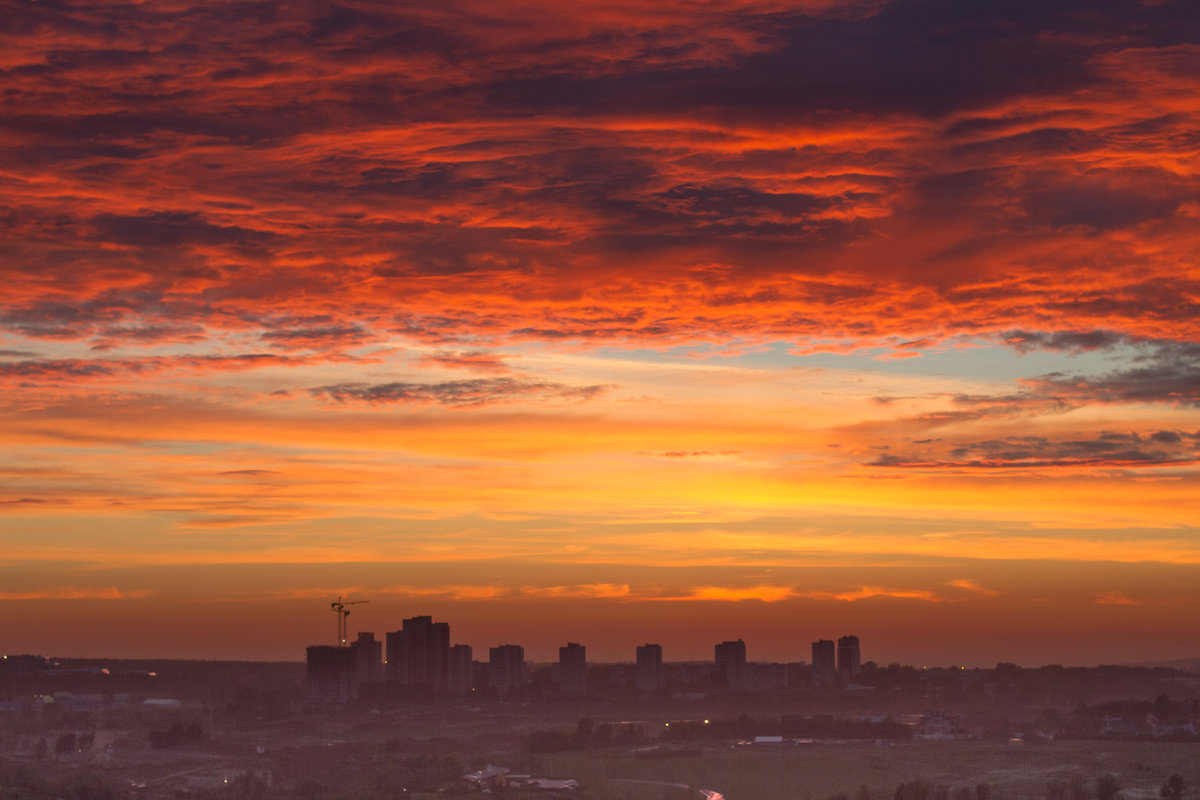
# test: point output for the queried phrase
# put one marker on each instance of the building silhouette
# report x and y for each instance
(332, 675)
(848, 658)
(368, 657)
(506, 668)
(765, 677)
(461, 675)
(729, 658)
(572, 669)
(824, 668)
(649, 669)
(419, 653)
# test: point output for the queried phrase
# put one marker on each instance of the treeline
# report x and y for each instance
(22, 782)
(177, 735)
(814, 727)
(829, 727)
(1103, 787)
(587, 734)
(420, 773)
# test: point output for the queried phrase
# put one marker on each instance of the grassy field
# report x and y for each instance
(814, 772)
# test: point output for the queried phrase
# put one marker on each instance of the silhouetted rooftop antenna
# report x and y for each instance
(339, 608)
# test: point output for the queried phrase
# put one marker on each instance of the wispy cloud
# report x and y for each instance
(972, 586)
(1107, 450)
(765, 594)
(473, 360)
(872, 593)
(1115, 598)
(75, 593)
(473, 392)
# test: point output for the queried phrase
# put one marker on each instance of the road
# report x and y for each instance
(709, 794)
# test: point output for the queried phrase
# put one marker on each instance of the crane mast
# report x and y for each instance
(339, 609)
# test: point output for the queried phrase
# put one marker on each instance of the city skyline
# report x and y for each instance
(738, 319)
(410, 653)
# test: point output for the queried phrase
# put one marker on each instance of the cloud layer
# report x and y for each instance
(325, 178)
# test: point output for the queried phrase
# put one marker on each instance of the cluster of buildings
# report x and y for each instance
(830, 665)
(420, 654)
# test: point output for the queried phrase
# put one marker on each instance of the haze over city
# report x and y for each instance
(603, 323)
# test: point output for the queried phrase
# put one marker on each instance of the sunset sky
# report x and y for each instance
(607, 322)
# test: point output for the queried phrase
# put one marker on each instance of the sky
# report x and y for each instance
(604, 322)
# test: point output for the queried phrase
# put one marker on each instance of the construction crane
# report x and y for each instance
(339, 608)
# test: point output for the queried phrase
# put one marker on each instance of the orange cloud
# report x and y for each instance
(1116, 599)
(972, 586)
(474, 360)
(765, 594)
(873, 592)
(75, 593)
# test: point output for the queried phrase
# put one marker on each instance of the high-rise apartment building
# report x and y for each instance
(461, 676)
(824, 667)
(649, 674)
(506, 667)
(572, 669)
(729, 658)
(332, 677)
(419, 653)
(849, 658)
(368, 657)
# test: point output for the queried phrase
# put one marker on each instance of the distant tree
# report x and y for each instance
(1107, 787)
(86, 786)
(64, 744)
(864, 793)
(310, 789)
(964, 793)
(1173, 788)
(40, 749)
(248, 787)
(176, 735)
(627, 734)
(983, 792)
(549, 742)
(584, 729)
(914, 790)
(23, 781)
(1075, 789)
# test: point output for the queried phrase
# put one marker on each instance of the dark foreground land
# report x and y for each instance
(242, 730)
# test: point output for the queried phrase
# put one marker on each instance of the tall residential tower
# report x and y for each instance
(848, 658)
(572, 669)
(824, 667)
(419, 653)
(729, 658)
(649, 674)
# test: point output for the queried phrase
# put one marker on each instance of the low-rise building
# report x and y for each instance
(486, 779)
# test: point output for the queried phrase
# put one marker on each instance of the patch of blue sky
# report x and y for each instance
(974, 359)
